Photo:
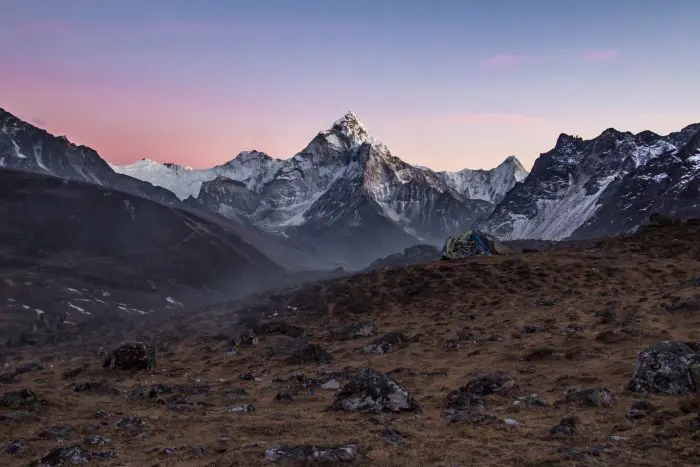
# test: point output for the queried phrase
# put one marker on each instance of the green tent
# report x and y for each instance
(473, 243)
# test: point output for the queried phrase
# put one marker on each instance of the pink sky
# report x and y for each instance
(462, 86)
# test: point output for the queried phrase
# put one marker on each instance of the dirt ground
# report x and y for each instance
(551, 320)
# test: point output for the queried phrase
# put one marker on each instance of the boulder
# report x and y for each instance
(356, 330)
(19, 399)
(309, 453)
(309, 353)
(370, 391)
(387, 343)
(667, 367)
(492, 383)
(71, 455)
(596, 397)
(131, 356)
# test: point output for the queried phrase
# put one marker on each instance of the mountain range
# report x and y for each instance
(346, 200)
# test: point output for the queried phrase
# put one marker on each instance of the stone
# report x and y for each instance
(596, 397)
(356, 330)
(307, 453)
(245, 408)
(667, 367)
(22, 398)
(370, 391)
(567, 427)
(132, 356)
(387, 343)
(310, 353)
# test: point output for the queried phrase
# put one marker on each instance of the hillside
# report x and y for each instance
(73, 252)
(538, 323)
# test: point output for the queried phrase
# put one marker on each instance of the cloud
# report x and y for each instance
(503, 61)
(603, 55)
(490, 118)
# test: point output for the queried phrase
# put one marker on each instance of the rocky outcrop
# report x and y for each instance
(667, 367)
(370, 391)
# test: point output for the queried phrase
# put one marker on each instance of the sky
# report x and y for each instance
(445, 84)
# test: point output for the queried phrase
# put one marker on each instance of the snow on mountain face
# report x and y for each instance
(578, 183)
(488, 185)
(253, 168)
(27, 148)
(283, 194)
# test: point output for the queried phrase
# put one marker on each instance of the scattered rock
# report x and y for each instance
(492, 383)
(540, 353)
(129, 423)
(19, 399)
(667, 367)
(28, 368)
(597, 397)
(306, 453)
(607, 316)
(310, 353)
(8, 377)
(356, 330)
(74, 373)
(132, 356)
(285, 396)
(639, 410)
(387, 343)
(332, 385)
(462, 406)
(280, 327)
(567, 427)
(101, 414)
(15, 447)
(246, 408)
(98, 388)
(98, 441)
(71, 455)
(56, 432)
(370, 391)
(533, 400)
(391, 436)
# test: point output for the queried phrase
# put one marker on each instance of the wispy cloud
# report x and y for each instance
(603, 55)
(503, 61)
(490, 118)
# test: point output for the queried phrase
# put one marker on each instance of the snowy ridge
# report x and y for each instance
(488, 185)
(285, 193)
(580, 187)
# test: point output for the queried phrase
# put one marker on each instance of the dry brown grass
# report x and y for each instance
(648, 279)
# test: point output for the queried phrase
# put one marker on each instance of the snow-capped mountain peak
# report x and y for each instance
(350, 129)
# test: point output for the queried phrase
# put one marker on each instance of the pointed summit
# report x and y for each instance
(351, 128)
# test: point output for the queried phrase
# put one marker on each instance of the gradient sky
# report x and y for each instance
(447, 84)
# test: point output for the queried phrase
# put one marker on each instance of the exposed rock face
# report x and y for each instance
(309, 353)
(370, 391)
(316, 454)
(132, 356)
(388, 343)
(604, 186)
(596, 397)
(667, 367)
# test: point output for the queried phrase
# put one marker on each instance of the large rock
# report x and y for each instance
(492, 383)
(667, 367)
(71, 455)
(308, 453)
(387, 343)
(19, 399)
(132, 356)
(309, 353)
(370, 391)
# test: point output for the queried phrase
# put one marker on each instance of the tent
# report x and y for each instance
(473, 243)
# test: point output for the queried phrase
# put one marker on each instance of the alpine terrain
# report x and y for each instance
(345, 196)
(605, 186)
